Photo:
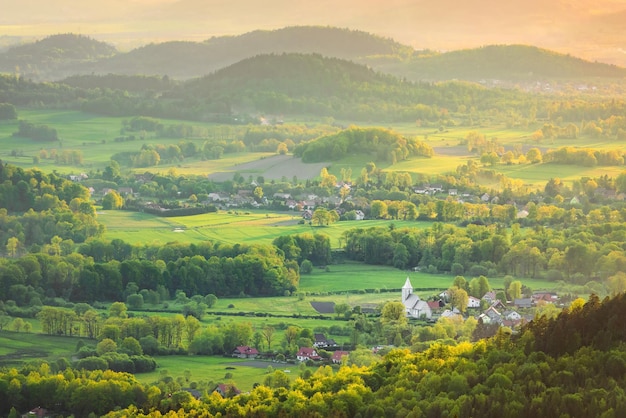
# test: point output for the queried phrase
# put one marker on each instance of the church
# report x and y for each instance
(415, 307)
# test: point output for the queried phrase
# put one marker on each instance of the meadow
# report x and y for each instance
(94, 137)
(231, 227)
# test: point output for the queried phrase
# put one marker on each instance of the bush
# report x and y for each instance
(135, 301)
(306, 267)
(92, 363)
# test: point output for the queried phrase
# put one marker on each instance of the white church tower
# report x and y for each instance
(407, 290)
(415, 307)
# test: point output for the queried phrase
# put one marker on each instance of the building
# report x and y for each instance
(338, 356)
(244, 351)
(307, 353)
(415, 307)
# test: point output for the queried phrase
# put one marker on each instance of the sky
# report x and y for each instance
(589, 29)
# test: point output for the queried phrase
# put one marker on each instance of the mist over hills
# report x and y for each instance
(591, 29)
(60, 56)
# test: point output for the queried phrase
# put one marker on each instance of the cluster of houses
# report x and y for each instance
(497, 312)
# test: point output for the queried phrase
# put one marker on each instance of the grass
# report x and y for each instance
(214, 369)
(18, 348)
(230, 227)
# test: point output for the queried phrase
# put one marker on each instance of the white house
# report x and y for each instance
(415, 307)
(473, 302)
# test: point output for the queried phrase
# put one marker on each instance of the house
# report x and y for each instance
(244, 351)
(338, 356)
(549, 297)
(485, 197)
(498, 305)
(453, 192)
(320, 340)
(415, 307)
(473, 302)
(307, 353)
(227, 390)
(219, 197)
(125, 191)
(490, 297)
(450, 314)
(282, 196)
(491, 316)
(359, 215)
(523, 303)
(435, 305)
(511, 315)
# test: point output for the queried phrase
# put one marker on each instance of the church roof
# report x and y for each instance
(407, 284)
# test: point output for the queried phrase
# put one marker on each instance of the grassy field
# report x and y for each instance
(232, 227)
(17, 348)
(215, 369)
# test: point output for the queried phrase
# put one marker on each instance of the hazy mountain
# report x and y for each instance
(591, 29)
(61, 56)
(54, 55)
(503, 62)
(181, 59)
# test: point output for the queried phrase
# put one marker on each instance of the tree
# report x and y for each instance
(393, 311)
(107, 345)
(458, 298)
(112, 200)
(258, 193)
(378, 209)
(210, 300)
(13, 244)
(268, 333)
(515, 290)
(533, 155)
(118, 310)
(7, 111)
(342, 309)
(617, 283)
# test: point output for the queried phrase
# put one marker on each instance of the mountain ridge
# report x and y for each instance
(188, 59)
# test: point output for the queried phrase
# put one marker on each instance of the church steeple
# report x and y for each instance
(407, 289)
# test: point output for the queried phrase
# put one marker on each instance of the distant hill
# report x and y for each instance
(53, 55)
(60, 56)
(311, 84)
(185, 60)
(504, 62)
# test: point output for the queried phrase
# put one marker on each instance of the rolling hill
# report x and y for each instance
(505, 62)
(61, 56)
(53, 56)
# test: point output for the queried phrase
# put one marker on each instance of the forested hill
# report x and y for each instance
(190, 59)
(312, 84)
(53, 55)
(285, 84)
(184, 59)
(504, 62)
(61, 56)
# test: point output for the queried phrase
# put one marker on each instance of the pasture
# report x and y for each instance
(94, 136)
(231, 227)
(17, 348)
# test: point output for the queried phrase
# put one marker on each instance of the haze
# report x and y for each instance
(593, 30)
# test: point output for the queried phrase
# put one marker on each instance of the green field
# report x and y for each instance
(17, 348)
(232, 227)
(205, 369)
(94, 137)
